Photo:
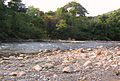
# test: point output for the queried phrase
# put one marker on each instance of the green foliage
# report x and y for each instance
(67, 22)
(61, 24)
(75, 9)
(16, 5)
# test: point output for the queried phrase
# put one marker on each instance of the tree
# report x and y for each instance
(17, 5)
(3, 16)
(75, 9)
(31, 11)
(35, 20)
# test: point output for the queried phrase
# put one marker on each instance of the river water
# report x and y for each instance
(29, 47)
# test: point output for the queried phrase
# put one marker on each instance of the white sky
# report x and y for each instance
(94, 7)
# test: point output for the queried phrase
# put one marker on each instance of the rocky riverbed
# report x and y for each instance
(88, 64)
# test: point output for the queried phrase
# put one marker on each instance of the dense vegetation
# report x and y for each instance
(67, 22)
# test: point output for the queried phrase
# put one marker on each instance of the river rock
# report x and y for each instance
(66, 62)
(26, 57)
(84, 55)
(68, 69)
(40, 50)
(109, 57)
(6, 58)
(2, 61)
(21, 65)
(22, 73)
(48, 65)
(20, 58)
(87, 63)
(19, 74)
(37, 68)
(13, 74)
(21, 55)
(118, 52)
(11, 57)
(1, 77)
(84, 51)
(98, 64)
(119, 63)
(98, 52)
(89, 49)
(69, 61)
(46, 51)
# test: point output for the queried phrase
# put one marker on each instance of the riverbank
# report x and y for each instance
(52, 41)
(88, 64)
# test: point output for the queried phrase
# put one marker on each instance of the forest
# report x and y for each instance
(68, 22)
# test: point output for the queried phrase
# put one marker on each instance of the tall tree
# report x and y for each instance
(17, 5)
(75, 9)
(3, 14)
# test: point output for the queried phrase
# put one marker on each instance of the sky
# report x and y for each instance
(94, 7)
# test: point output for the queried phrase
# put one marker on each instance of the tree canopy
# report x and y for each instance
(75, 9)
(67, 22)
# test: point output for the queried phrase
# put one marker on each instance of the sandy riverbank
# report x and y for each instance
(98, 64)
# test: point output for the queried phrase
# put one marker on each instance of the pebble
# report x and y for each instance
(98, 64)
(21, 65)
(19, 74)
(37, 68)
(6, 58)
(13, 74)
(12, 57)
(20, 58)
(46, 51)
(98, 52)
(48, 65)
(21, 55)
(118, 52)
(119, 63)
(68, 69)
(22, 73)
(83, 51)
(26, 57)
(68, 61)
(87, 63)
(2, 61)
(1, 77)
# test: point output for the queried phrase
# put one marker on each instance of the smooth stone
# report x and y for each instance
(98, 64)
(69, 61)
(2, 61)
(6, 58)
(87, 63)
(21, 65)
(12, 57)
(98, 52)
(48, 65)
(46, 51)
(22, 73)
(13, 74)
(119, 63)
(118, 53)
(68, 69)
(37, 68)
(19, 74)
(21, 55)
(20, 58)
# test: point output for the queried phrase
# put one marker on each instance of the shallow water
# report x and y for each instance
(29, 47)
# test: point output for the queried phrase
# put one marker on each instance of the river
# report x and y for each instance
(30, 47)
